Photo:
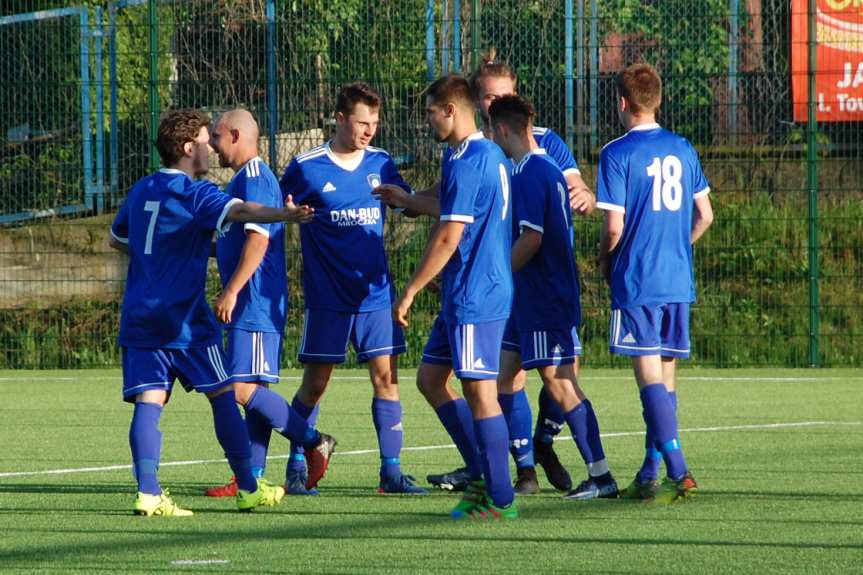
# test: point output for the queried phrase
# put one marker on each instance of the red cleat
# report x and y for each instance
(227, 490)
(318, 459)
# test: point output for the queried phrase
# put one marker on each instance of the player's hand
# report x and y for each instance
(401, 309)
(581, 200)
(224, 306)
(298, 214)
(392, 195)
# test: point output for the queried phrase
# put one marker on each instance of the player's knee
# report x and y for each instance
(244, 391)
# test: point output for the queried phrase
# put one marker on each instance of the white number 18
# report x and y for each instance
(667, 189)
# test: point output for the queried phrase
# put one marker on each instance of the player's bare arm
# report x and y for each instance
(424, 202)
(702, 218)
(525, 247)
(612, 230)
(441, 246)
(254, 249)
(581, 199)
(257, 213)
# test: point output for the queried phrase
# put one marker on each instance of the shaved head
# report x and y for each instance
(235, 138)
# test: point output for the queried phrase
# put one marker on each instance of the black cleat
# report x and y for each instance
(456, 480)
(526, 482)
(557, 475)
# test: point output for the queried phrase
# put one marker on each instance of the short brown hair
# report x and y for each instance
(490, 67)
(175, 129)
(641, 85)
(355, 93)
(514, 111)
(450, 88)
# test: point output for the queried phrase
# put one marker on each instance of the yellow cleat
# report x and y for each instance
(266, 494)
(162, 504)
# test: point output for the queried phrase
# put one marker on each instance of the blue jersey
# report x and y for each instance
(167, 222)
(546, 288)
(477, 280)
(344, 262)
(653, 176)
(555, 147)
(262, 303)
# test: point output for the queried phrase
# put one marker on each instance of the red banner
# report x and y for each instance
(839, 60)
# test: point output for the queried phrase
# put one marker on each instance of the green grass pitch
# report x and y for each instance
(778, 455)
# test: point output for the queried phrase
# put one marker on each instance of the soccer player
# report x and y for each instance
(346, 278)
(655, 197)
(492, 80)
(253, 301)
(470, 247)
(546, 311)
(167, 331)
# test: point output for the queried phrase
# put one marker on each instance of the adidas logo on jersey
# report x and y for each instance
(628, 338)
(329, 187)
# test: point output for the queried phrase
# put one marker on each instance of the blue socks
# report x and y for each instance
(270, 406)
(297, 461)
(145, 439)
(387, 417)
(549, 420)
(259, 436)
(652, 455)
(662, 422)
(234, 438)
(458, 421)
(492, 436)
(585, 432)
(516, 412)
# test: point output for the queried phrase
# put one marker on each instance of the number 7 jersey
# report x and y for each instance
(653, 177)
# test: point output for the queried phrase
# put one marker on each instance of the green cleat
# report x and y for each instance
(266, 494)
(162, 504)
(488, 511)
(676, 491)
(473, 495)
(636, 490)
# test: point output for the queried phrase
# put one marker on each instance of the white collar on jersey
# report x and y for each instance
(526, 157)
(461, 147)
(644, 127)
(172, 171)
(349, 165)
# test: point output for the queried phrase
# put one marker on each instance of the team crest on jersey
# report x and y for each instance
(374, 180)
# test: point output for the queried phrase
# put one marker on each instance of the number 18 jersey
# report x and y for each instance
(653, 177)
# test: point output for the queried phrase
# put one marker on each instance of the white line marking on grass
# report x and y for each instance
(446, 446)
(200, 562)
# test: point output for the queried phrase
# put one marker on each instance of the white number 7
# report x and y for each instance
(154, 208)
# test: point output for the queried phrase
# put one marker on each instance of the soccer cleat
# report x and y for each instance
(296, 484)
(162, 504)
(266, 494)
(636, 490)
(676, 491)
(488, 511)
(318, 459)
(403, 484)
(456, 480)
(474, 494)
(556, 473)
(602, 487)
(526, 482)
(229, 489)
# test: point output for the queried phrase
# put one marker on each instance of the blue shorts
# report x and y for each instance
(254, 355)
(549, 347)
(326, 334)
(651, 330)
(510, 337)
(199, 368)
(472, 349)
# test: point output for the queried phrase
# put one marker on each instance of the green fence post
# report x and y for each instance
(153, 87)
(474, 34)
(812, 184)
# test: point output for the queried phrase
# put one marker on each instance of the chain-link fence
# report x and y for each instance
(779, 273)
